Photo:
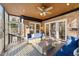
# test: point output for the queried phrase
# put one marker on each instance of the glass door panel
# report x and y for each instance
(62, 30)
(32, 28)
(47, 29)
(37, 28)
(53, 30)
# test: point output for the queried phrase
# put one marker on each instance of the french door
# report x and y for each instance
(62, 30)
(53, 30)
(56, 29)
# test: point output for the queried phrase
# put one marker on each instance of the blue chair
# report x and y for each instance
(68, 48)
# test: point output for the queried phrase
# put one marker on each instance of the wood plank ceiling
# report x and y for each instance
(30, 9)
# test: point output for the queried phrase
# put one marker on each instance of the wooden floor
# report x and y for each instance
(23, 50)
(28, 50)
(52, 51)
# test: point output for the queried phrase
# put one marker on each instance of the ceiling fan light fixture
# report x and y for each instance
(44, 10)
(67, 4)
(43, 14)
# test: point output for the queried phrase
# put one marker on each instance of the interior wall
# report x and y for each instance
(70, 17)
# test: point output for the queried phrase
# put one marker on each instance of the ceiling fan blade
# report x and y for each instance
(48, 12)
(50, 8)
(40, 8)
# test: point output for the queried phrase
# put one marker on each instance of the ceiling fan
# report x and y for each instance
(44, 10)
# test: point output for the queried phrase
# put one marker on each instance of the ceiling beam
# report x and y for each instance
(31, 18)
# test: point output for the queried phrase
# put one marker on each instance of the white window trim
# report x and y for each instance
(49, 28)
(35, 25)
